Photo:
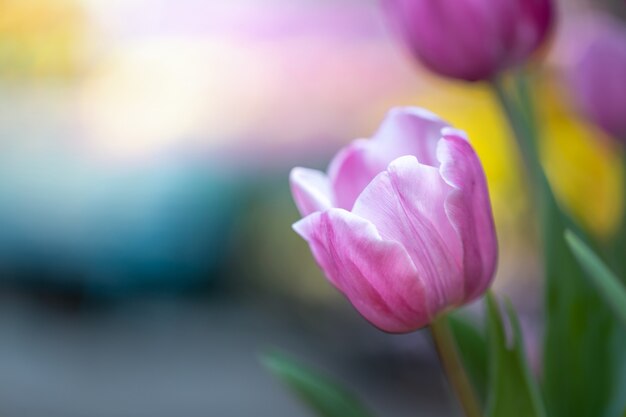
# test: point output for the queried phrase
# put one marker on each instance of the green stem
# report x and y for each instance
(524, 134)
(522, 89)
(565, 290)
(520, 117)
(618, 242)
(451, 361)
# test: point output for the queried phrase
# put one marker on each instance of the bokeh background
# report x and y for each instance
(146, 254)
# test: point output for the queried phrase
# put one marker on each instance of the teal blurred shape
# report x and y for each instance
(112, 227)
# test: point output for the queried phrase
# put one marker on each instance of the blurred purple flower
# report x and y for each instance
(597, 73)
(471, 40)
(402, 223)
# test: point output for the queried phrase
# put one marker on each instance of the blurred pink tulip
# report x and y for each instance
(402, 223)
(471, 40)
(597, 73)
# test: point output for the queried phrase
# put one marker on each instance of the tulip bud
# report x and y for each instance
(471, 40)
(401, 224)
(596, 73)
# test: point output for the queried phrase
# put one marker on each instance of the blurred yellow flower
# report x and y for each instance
(581, 164)
(39, 38)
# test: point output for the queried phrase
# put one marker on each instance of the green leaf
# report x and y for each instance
(324, 396)
(611, 293)
(579, 325)
(512, 390)
(473, 350)
(601, 276)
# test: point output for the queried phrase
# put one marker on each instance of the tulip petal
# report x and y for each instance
(463, 50)
(351, 170)
(376, 275)
(310, 189)
(471, 40)
(409, 131)
(406, 204)
(469, 210)
(597, 74)
(405, 131)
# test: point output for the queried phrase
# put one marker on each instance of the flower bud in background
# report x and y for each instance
(471, 40)
(401, 223)
(596, 73)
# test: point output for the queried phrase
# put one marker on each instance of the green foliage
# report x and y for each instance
(607, 284)
(584, 359)
(580, 331)
(612, 292)
(512, 390)
(472, 347)
(324, 396)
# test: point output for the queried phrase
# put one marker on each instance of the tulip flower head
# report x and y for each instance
(597, 74)
(471, 40)
(401, 224)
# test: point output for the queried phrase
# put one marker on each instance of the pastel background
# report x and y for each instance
(146, 253)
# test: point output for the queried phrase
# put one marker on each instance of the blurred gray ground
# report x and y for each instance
(179, 357)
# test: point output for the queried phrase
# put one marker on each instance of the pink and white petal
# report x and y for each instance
(310, 189)
(376, 275)
(351, 170)
(469, 210)
(405, 131)
(406, 204)
(409, 131)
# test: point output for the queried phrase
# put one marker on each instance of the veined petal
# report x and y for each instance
(469, 210)
(351, 170)
(376, 275)
(405, 131)
(409, 131)
(310, 189)
(406, 204)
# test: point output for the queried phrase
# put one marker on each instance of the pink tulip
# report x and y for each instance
(597, 73)
(471, 40)
(402, 223)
